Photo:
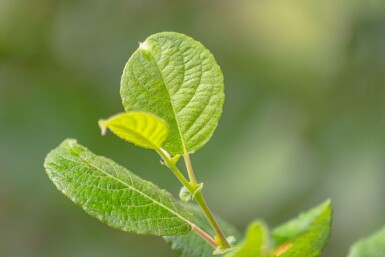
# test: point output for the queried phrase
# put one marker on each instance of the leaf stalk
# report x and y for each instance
(204, 235)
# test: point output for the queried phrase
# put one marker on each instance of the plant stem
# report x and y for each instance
(175, 169)
(191, 186)
(171, 165)
(189, 168)
(203, 205)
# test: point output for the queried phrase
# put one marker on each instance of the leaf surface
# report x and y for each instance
(297, 226)
(176, 78)
(112, 194)
(192, 245)
(372, 246)
(307, 235)
(255, 244)
(142, 129)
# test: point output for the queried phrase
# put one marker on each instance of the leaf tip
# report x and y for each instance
(143, 46)
(328, 204)
(70, 141)
(103, 126)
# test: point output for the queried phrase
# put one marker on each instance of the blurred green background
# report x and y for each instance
(304, 117)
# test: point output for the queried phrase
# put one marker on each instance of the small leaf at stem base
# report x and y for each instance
(185, 195)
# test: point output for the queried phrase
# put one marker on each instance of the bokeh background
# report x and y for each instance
(303, 121)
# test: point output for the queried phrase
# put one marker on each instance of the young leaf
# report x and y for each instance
(255, 244)
(191, 245)
(372, 246)
(178, 79)
(112, 194)
(305, 236)
(185, 194)
(140, 128)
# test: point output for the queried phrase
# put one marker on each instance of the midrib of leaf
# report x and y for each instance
(130, 187)
(169, 96)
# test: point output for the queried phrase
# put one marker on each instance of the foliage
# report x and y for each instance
(113, 194)
(372, 246)
(172, 91)
(177, 79)
(307, 235)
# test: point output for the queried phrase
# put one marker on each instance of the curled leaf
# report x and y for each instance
(140, 128)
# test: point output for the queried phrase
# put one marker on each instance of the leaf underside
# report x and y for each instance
(176, 78)
(306, 235)
(372, 246)
(191, 245)
(142, 129)
(112, 194)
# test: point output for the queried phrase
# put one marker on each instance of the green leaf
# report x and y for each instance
(140, 128)
(192, 245)
(372, 246)
(295, 227)
(305, 236)
(114, 195)
(255, 244)
(178, 79)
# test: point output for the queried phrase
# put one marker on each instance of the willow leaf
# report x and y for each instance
(178, 79)
(140, 128)
(307, 235)
(112, 194)
(292, 229)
